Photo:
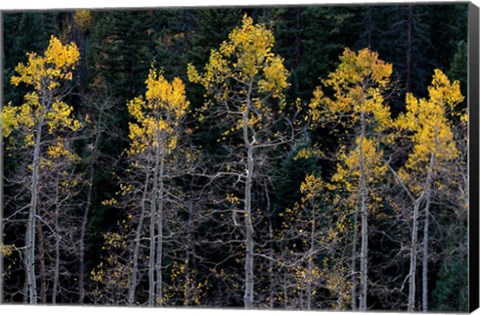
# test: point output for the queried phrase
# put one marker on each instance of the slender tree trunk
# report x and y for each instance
(271, 275)
(364, 220)
(41, 259)
(56, 271)
(310, 261)
(25, 290)
(425, 235)
(249, 284)
(413, 258)
(136, 249)
(83, 228)
(30, 232)
(151, 261)
(413, 251)
(153, 218)
(188, 291)
(249, 247)
(425, 257)
(161, 202)
(309, 279)
(354, 261)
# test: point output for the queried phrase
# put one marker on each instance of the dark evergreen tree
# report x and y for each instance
(447, 28)
(28, 32)
(211, 28)
(309, 39)
(401, 35)
(121, 50)
(459, 68)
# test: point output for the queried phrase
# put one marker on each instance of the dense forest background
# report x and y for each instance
(89, 231)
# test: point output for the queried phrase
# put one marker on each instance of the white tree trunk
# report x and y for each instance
(136, 249)
(364, 220)
(413, 252)
(188, 290)
(425, 257)
(271, 275)
(413, 258)
(354, 261)
(56, 272)
(249, 246)
(30, 232)
(160, 215)
(428, 189)
(249, 280)
(153, 218)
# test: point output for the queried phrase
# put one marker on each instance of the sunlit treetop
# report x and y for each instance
(246, 57)
(46, 71)
(157, 114)
(44, 105)
(357, 85)
(363, 68)
(428, 123)
(82, 19)
(161, 94)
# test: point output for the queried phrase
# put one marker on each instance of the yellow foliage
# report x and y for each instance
(109, 202)
(8, 120)
(308, 153)
(44, 73)
(60, 115)
(112, 274)
(339, 285)
(357, 84)
(6, 250)
(312, 187)
(58, 150)
(245, 58)
(158, 114)
(231, 198)
(429, 129)
(82, 19)
(348, 170)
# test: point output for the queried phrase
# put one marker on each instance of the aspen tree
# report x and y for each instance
(358, 104)
(429, 130)
(59, 188)
(310, 236)
(147, 192)
(244, 77)
(43, 114)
